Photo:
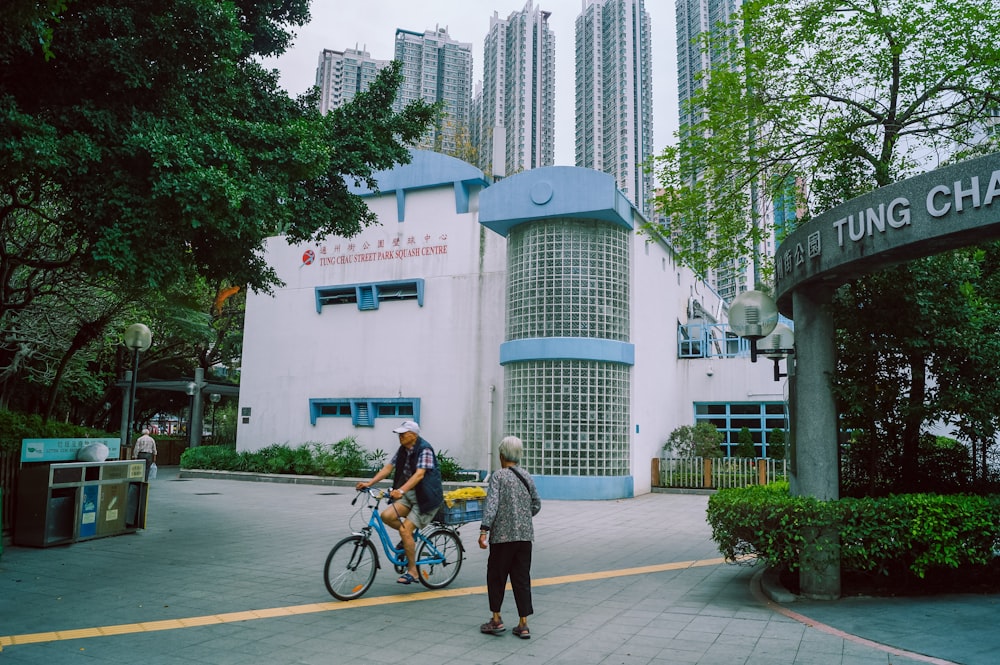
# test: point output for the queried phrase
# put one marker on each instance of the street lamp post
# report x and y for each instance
(137, 338)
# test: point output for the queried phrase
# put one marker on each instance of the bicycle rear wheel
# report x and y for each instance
(350, 568)
(445, 549)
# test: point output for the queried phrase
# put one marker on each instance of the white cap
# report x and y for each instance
(407, 426)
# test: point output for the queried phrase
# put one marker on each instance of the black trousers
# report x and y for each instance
(149, 460)
(511, 560)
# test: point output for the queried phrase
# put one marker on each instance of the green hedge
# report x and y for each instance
(894, 535)
(15, 426)
(346, 458)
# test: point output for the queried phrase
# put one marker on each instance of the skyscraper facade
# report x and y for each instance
(436, 68)
(342, 74)
(517, 102)
(614, 95)
(704, 38)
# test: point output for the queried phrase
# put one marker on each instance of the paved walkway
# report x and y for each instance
(230, 572)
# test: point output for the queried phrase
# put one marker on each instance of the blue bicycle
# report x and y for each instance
(352, 563)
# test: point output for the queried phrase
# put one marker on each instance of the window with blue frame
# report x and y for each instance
(367, 296)
(731, 417)
(364, 410)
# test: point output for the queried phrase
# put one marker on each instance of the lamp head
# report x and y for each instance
(778, 344)
(137, 337)
(753, 315)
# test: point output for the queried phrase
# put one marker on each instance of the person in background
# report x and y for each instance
(145, 448)
(417, 491)
(511, 502)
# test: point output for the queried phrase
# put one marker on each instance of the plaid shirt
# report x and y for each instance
(145, 444)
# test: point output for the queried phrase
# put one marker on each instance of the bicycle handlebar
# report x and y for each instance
(378, 495)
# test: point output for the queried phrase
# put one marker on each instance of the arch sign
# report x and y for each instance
(951, 207)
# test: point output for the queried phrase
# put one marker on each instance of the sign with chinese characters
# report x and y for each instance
(948, 208)
(63, 450)
(342, 251)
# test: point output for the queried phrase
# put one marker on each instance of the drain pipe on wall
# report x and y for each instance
(489, 435)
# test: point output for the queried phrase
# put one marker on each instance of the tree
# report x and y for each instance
(152, 150)
(745, 447)
(701, 440)
(776, 443)
(824, 101)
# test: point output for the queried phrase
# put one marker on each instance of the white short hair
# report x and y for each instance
(511, 448)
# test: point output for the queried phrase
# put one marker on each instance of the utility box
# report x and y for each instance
(62, 503)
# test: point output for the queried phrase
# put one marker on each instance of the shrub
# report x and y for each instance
(345, 458)
(895, 535)
(776, 443)
(745, 448)
(449, 466)
(701, 440)
(15, 426)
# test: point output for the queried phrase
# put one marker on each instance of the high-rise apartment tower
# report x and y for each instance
(614, 95)
(436, 68)
(517, 102)
(342, 74)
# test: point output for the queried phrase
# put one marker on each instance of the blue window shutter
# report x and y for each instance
(362, 415)
(366, 298)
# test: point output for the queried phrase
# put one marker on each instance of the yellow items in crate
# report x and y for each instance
(462, 494)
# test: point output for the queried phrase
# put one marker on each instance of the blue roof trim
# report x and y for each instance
(425, 170)
(555, 191)
(567, 348)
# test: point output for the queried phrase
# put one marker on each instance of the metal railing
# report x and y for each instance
(720, 473)
(709, 340)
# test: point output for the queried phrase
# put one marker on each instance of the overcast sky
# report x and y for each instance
(371, 25)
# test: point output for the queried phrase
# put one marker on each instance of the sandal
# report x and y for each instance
(406, 578)
(521, 632)
(491, 627)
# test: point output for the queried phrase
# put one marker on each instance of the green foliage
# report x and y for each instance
(15, 426)
(701, 440)
(345, 459)
(211, 457)
(895, 535)
(799, 120)
(450, 468)
(745, 446)
(127, 176)
(776, 443)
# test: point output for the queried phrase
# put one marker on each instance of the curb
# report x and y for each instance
(773, 589)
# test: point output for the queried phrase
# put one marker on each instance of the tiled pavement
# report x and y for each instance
(230, 572)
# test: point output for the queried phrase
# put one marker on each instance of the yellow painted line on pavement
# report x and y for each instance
(312, 608)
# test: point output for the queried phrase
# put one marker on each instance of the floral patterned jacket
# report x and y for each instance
(510, 506)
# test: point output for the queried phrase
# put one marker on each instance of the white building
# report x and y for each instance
(614, 95)
(437, 68)
(517, 100)
(527, 307)
(340, 75)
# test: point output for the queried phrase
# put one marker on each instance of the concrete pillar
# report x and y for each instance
(197, 409)
(815, 463)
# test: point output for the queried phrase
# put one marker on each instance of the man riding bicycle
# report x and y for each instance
(417, 491)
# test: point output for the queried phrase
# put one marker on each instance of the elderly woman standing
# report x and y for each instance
(511, 502)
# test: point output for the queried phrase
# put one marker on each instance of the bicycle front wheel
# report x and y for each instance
(350, 568)
(439, 558)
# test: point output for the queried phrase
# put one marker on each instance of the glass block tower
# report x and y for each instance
(342, 74)
(567, 357)
(436, 68)
(517, 130)
(614, 95)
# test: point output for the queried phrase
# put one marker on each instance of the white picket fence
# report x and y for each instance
(720, 473)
